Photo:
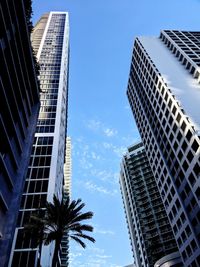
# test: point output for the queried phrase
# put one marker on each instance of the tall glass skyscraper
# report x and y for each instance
(19, 107)
(45, 174)
(164, 94)
(149, 228)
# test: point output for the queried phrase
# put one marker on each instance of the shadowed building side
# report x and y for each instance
(19, 106)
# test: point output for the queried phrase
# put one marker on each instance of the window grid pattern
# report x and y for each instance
(186, 47)
(172, 147)
(50, 62)
(148, 222)
(26, 252)
(19, 106)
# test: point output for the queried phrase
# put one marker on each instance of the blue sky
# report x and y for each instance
(100, 121)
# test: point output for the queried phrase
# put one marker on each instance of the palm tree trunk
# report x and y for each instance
(55, 254)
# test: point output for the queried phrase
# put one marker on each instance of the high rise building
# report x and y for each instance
(19, 106)
(164, 94)
(67, 169)
(149, 229)
(45, 172)
(67, 192)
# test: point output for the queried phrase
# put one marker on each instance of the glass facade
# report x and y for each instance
(45, 172)
(19, 106)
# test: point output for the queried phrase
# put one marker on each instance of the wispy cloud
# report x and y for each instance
(94, 188)
(85, 164)
(105, 175)
(103, 231)
(118, 150)
(97, 257)
(103, 256)
(109, 132)
(94, 125)
(98, 126)
(95, 156)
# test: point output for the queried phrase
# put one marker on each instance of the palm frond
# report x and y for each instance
(80, 227)
(83, 216)
(78, 240)
(50, 237)
(46, 226)
(85, 237)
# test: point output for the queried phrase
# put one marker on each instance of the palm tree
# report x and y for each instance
(60, 217)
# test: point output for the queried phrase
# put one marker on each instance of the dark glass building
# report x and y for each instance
(19, 106)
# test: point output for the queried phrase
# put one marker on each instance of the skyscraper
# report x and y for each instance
(19, 107)
(149, 229)
(67, 192)
(164, 94)
(45, 173)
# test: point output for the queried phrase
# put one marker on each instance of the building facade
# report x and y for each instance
(164, 94)
(149, 229)
(45, 172)
(19, 106)
(171, 260)
(67, 192)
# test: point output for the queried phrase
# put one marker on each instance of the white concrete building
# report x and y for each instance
(45, 173)
(164, 94)
(64, 256)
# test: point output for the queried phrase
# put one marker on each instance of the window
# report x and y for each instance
(179, 136)
(170, 103)
(184, 146)
(183, 217)
(183, 126)
(189, 251)
(178, 205)
(180, 155)
(195, 146)
(174, 110)
(197, 169)
(190, 156)
(178, 117)
(188, 135)
(188, 231)
(197, 193)
(185, 165)
(183, 236)
(191, 179)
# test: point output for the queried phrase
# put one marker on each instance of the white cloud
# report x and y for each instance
(110, 132)
(103, 256)
(103, 231)
(94, 125)
(118, 150)
(85, 164)
(100, 189)
(96, 257)
(95, 156)
(98, 126)
(105, 175)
